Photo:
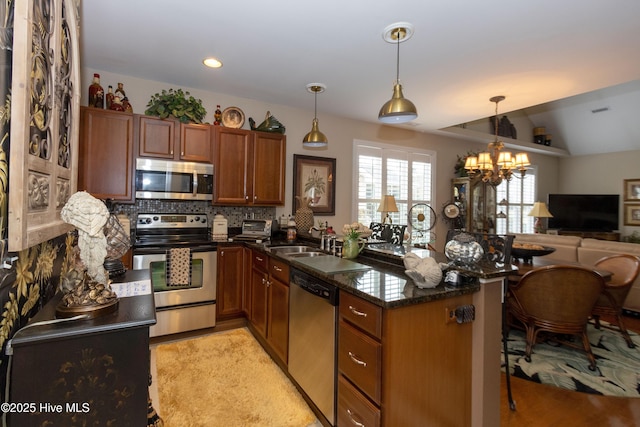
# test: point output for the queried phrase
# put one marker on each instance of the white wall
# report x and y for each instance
(341, 133)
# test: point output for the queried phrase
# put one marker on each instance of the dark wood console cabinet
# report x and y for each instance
(84, 372)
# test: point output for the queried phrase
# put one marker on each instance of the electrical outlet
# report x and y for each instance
(461, 314)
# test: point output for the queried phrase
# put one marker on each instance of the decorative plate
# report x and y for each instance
(232, 117)
(451, 211)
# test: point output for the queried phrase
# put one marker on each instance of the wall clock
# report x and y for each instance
(451, 211)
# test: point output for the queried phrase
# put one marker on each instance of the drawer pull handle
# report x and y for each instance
(355, 423)
(356, 312)
(356, 360)
(276, 268)
(259, 259)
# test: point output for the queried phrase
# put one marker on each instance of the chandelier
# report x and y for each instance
(496, 165)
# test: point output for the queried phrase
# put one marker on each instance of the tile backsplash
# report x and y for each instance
(234, 214)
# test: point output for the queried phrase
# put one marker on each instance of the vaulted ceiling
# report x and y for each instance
(556, 61)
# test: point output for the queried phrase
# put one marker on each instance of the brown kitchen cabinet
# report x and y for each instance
(230, 279)
(173, 140)
(270, 302)
(405, 366)
(246, 288)
(105, 160)
(249, 167)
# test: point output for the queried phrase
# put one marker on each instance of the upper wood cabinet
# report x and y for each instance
(172, 140)
(106, 154)
(249, 167)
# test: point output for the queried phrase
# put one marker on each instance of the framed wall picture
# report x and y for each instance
(314, 178)
(632, 214)
(632, 190)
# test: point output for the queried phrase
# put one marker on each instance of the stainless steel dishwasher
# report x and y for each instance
(313, 318)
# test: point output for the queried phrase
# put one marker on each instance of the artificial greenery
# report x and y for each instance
(178, 104)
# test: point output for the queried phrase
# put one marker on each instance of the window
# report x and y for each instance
(520, 194)
(403, 172)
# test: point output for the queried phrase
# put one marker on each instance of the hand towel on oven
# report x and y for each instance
(179, 267)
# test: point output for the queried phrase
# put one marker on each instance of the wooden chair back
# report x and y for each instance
(559, 298)
(625, 269)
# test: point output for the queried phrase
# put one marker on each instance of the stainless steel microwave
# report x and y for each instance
(162, 179)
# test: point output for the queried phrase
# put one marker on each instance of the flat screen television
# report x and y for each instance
(584, 212)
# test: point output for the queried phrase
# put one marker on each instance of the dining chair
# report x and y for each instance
(625, 269)
(390, 233)
(557, 299)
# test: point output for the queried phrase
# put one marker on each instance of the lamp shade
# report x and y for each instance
(388, 204)
(315, 138)
(540, 211)
(398, 109)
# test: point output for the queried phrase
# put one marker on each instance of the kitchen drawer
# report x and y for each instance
(279, 270)
(360, 360)
(260, 261)
(361, 313)
(353, 408)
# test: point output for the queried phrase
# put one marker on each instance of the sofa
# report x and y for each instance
(586, 251)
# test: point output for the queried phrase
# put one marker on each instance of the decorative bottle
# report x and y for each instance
(96, 93)
(120, 91)
(109, 97)
(217, 116)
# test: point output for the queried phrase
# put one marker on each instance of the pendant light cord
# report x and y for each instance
(398, 58)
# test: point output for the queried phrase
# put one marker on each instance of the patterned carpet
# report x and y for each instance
(617, 372)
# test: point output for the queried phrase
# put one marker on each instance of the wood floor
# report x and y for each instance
(547, 406)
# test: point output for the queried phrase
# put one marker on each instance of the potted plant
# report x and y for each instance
(178, 104)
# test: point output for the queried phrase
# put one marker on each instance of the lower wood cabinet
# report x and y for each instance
(406, 366)
(270, 302)
(229, 281)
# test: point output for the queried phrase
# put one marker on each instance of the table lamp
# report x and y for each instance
(539, 211)
(387, 204)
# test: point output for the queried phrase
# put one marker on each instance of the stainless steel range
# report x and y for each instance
(167, 244)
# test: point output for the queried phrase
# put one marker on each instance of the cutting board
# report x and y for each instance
(332, 264)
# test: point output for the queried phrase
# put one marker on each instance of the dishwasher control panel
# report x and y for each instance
(315, 286)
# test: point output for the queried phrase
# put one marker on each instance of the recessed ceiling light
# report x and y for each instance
(212, 62)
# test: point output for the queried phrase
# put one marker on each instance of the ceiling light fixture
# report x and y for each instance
(398, 109)
(315, 138)
(212, 62)
(495, 165)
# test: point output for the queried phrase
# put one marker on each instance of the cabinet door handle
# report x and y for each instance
(355, 423)
(276, 268)
(357, 361)
(356, 312)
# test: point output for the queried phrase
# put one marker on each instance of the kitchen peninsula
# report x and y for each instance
(407, 361)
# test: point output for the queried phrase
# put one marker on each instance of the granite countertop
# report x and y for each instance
(386, 284)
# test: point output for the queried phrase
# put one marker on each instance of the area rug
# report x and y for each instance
(225, 379)
(617, 372)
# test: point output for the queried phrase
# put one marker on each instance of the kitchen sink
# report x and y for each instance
(294, 249)
(306, 254)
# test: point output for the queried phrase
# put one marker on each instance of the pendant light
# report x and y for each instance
(315, 138)
(398, 109)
